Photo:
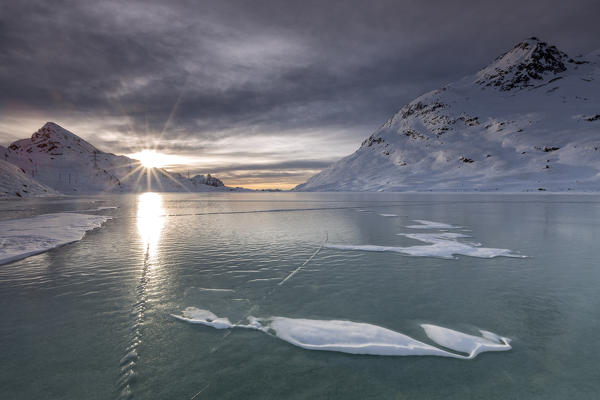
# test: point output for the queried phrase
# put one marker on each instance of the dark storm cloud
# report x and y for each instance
(221, 70)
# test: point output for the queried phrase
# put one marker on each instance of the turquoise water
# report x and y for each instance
(92, 319)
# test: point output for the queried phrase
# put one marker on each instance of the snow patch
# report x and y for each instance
(14, 183)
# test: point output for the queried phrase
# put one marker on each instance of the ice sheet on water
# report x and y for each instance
(465, 343)
(349, 337)
(439, 244)
(195, 315)
(424, 224)
(23, 237)
(357, 337)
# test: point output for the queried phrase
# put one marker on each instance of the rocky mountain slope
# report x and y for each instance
(528, 121)
(63, 161)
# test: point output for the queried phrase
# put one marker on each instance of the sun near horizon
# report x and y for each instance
(151, 158)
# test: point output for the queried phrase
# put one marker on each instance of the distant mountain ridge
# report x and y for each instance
(61, 160)
(528, 121)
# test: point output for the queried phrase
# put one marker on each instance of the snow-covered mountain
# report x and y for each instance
(63, 161)
(528, 121)
(15, 183)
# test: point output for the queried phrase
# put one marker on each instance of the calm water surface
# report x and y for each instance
(91, 320)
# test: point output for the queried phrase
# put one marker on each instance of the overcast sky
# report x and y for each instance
(260, 93)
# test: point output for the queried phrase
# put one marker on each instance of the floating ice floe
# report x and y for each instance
(357, 337)
(24, 237)
(431, 225)
(388, 215)
(440, 244)
(195, 315)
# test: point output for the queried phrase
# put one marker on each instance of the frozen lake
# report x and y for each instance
(301, 295)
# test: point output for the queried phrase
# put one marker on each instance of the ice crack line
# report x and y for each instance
(305, 262)
(255, 307)
(277, 210)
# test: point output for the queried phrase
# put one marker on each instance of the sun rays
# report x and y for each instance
(148, 164)
(144, 170)
(149, 158)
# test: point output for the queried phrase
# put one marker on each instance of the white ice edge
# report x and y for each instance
(24, 237)
(357, 337)
(439, 244)
(464, 343)
(424, 224)
(263, 280)
(389, 215)
(101, 208)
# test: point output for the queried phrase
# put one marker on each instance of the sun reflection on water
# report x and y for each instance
(150, 221)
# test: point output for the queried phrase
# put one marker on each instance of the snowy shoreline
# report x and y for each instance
(24, 237)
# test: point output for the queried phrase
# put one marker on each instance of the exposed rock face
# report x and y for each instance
(527, 62)
(529, 120)
(207, 180)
